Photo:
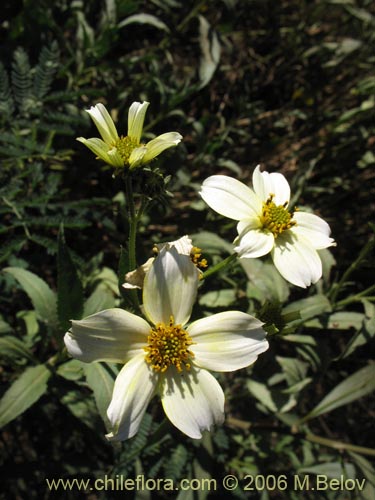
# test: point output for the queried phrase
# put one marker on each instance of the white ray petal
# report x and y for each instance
(104, 123)
(193, 401)
(314, 229)
(227, 341)
(111, 335)
(296, 260)
(170, 287)
(136, 117)
(134, 387)
(266, 184)
(230, 197)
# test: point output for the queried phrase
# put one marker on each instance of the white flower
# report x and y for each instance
(164, 356)
(266, 225)
(184, 246)
(120, 151)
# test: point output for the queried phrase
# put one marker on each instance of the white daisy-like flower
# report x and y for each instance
(165, 356)
(267, 225)
(126, 151)
(184, 246)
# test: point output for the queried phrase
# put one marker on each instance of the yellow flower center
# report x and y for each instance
(276, 218)
(125, 146)
(195, 255)
(168, 344)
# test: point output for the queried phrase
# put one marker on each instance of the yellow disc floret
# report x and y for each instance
(276, 218)
(168, 344)
(195, 255)
(125, 146)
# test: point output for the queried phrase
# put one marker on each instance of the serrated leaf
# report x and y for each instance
(101, 381)
(14, 348)
(69, 286)
(40, 294)
(354, 387)
(23, 393)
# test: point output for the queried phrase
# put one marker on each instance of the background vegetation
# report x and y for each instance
(288, 84)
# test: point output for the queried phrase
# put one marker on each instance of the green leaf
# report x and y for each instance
(265, 282)
(71, 370)
(210, 52)
(309, 307)
(101, 381)
(40, 294)
(144, 19)
(354, 387)
(218, 298)
(24, 392)
(14, 348)
(333, 470)
(69, 286)
(100, 299)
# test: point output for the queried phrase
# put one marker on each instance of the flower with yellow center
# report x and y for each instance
(267, 225)
(184, 246)
(126, 151)
(164, 355)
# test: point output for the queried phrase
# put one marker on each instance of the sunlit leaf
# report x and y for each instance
(12, 347)
(354, 387)
(40, 294)
(210, 52)
(23, 393)
(144, 19)
(101, 381)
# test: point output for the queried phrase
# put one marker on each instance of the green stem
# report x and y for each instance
(362, 255)
(133, 221)
(220, 266)
(332, 443)
(356, 297)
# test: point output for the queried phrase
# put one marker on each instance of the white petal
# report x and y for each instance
(296, 259)
(266, 184)
(193, 401)
(134, 387)
(170, 287)
(227, 341)
(136, 156)
(111, 335)
(98, 147)
(136, 117)
(183, 245)
(160, 143)
(104, 123)
(314, 229)
(135, 279)
(252, 241)
(230, 197)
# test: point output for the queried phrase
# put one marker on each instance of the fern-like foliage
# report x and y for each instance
(6, 99)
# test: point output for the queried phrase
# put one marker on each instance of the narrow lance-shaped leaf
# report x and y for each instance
(40, 294)
(23, 393)
(101, 382)
(69, 287)
(14, 348)
(354, 387)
